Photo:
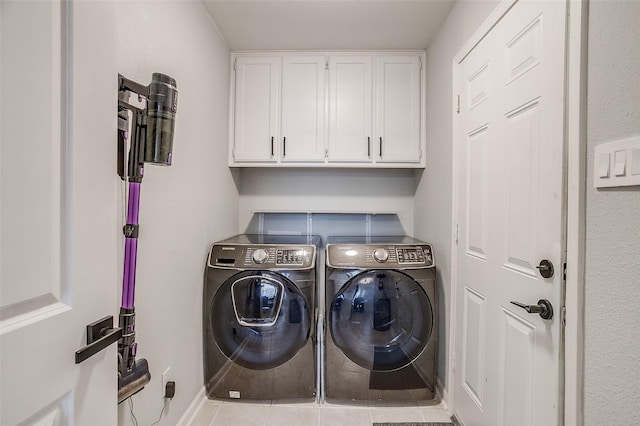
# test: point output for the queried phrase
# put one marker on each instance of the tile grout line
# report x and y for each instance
(322, 409)
(213, 419)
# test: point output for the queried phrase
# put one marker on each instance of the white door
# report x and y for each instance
(303, 108)
(256, 108)
(398, 109)
(350, 109)
(58, 240)
(507, 362)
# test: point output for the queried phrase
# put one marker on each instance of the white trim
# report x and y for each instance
(193, 409)
(576, 94)
(443, 397)
(482, 31)
(454, 240)
(231, 146)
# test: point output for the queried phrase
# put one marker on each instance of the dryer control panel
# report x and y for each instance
(262, 256)
(392, 256)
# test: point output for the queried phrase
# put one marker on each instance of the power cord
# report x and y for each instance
(133, 417)
(169, 392)
(166, 404)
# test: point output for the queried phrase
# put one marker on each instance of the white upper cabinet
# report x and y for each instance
(350, 108)
(303, 108)
(327, 109)
(256, 105)
(398, 109)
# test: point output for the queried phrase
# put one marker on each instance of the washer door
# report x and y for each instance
(381, 319)
(260, 319)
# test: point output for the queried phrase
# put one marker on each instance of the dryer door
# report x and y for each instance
(260, 319)
(381, 319)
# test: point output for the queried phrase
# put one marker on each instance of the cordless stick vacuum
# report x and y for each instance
(145, 135)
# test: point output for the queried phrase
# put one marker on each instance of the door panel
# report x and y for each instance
(523, 167)
(473, 345)
(523, 51)
(476, 197)
(478, 87)
(38, 201)
(516, 370)
(510, 138)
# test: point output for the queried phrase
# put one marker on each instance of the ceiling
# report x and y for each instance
(327, 25)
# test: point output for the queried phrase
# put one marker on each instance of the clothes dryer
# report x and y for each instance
(259, 318)
(381, 316)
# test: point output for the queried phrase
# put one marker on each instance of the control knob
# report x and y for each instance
(380, 255)
(260, 256)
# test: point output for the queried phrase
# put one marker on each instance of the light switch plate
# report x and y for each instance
(617, 163)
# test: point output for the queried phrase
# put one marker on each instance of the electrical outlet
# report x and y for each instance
(166, 377)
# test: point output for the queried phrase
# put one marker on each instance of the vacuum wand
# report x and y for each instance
(145, 135)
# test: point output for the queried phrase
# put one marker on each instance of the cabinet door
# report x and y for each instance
(303, 108)
(256, 108)
(398, 109)
(350, 109)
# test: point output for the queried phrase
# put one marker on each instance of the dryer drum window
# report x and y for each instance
(381, 319)
(260, 319)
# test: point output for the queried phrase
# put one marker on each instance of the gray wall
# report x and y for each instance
(327, 191)
(184, 207)
(612, 288)
(432, 217)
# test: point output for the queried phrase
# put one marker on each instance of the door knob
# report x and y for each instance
(543, 308)
(100, 334)
(546, 268)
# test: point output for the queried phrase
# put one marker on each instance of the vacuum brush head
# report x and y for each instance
(134, 381)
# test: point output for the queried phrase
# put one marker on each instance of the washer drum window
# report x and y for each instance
(260, 319)
(381, 319)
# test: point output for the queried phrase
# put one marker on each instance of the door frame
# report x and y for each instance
(574, 204)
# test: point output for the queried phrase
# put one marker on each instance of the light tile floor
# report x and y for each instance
(228, 413)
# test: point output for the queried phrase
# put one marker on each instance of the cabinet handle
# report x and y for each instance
(284, 147)
(271, 146)
(369, 146)
(380, 146)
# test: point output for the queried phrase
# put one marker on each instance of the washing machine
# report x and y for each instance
(380, 320)
(259, 316)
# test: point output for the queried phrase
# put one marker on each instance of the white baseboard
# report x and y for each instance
(192, 409)
(441, 393)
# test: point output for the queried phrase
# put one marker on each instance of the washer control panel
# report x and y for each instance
(375, 256)
(411, 255)
(290, 256)
(262, 256)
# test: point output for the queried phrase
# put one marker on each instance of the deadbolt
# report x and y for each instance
(546, 268)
